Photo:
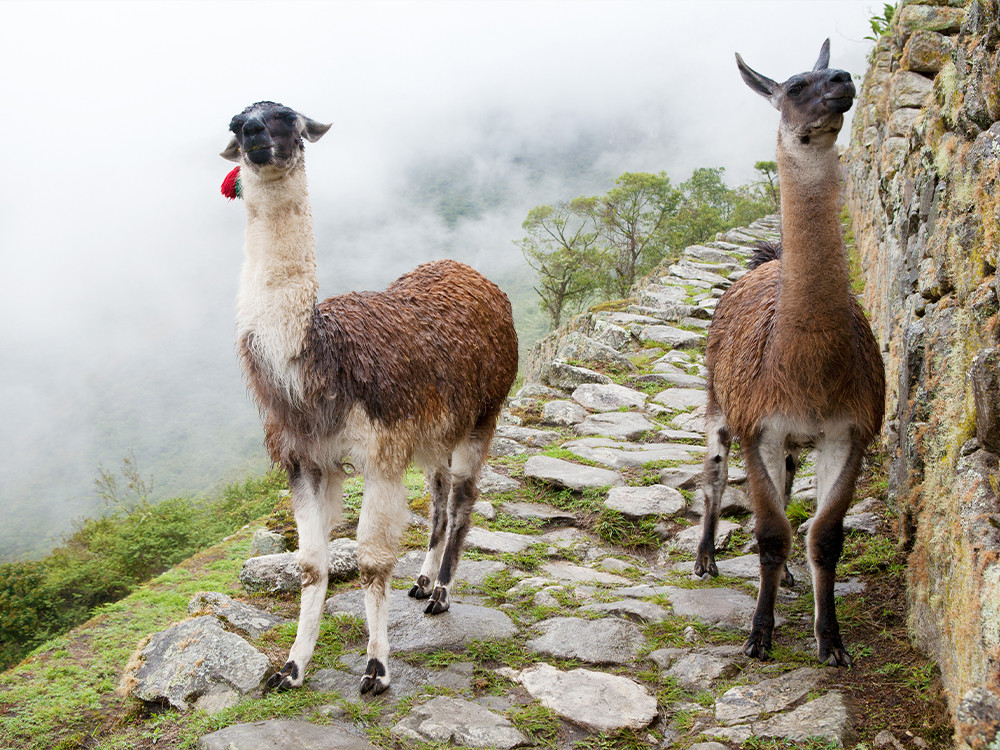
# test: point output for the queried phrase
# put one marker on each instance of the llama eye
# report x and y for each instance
(796, 89)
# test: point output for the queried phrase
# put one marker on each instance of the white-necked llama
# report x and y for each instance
(417, 373)
(792, 361)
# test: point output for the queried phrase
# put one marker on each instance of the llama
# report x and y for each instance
(375, 380)
(792, 362)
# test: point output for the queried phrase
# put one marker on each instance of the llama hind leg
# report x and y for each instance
(765, 458)
(383, 518)
(837, 468)
(439, 482)
(791, 468)
(716, 475)
(316, 501)
(466, 464)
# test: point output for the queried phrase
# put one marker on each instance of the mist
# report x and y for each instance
(451, 120)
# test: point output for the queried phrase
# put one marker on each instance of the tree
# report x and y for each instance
(560, 245)
(769, 171)
(631, 219)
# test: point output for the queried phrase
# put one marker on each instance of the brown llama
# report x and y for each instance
(792, 362)
(373, 380)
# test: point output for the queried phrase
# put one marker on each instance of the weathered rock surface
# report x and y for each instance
(411, 630)
(273, 573)
(283, 734)
(627, 425)
(609, 640)
(197, 658)
(654, 500)
(574, 476)
(745, 702)
(458, 721)
(596, 701)
(608, 397)
(236, 614)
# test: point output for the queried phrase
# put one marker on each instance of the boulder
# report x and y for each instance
(197, 658)
(747, 702)
(563, 413)
(567, 377)
(271, 574)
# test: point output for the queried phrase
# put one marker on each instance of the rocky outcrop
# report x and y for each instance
(923, 186)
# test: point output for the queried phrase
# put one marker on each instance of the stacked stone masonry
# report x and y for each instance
(923, 180)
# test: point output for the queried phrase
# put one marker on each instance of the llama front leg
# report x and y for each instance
(316, 500)
(716, 475)
(791, 468)
(837, 470)
(766, 473)
(439, 482)
(383, 517)
(467, 461)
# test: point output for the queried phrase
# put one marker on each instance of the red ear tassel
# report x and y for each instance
(231, 187)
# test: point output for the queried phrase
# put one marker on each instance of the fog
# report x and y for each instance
(119, 256)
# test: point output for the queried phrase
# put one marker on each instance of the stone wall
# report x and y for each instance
(924, 194)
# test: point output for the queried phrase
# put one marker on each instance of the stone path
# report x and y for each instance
(556, 609)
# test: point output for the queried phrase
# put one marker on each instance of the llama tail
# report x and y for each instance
(764, 252)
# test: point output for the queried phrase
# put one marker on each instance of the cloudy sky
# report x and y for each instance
(117, 251)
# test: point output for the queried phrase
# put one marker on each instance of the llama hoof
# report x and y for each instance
(788, 580)
(375, 679)
(422, 588)
(439, 602)
(835, 656)
(286, 679)
(705, 565)
(758, 647)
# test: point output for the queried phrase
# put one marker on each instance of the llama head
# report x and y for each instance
(268, 138)
(812, 104)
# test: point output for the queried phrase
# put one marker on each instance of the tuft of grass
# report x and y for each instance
(536, 722)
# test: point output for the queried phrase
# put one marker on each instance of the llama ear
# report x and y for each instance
(759, 83)
(232, 152)
(312, 131)
(824, 57)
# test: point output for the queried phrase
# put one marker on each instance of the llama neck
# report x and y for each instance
(815, 290)
(278, 284)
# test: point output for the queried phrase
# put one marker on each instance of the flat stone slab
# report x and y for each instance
(565, 571)
(471, 572)
(499, 542)
(637, 502)
(609, 397)
(195, 658)
(454, 720)
(411, 630)
(237, 614)
(566, 474)
(406, 678)
(596, 701)
(690, 421)
(278, 734)
(688, 539)
(632, 609)
(605, 641)
(718, 607)
(735, 502)
(539, 512)
(743, 702)
(675, 338)
(567, 377)
(627, 425)
(623, 455)
(826, 717)
(528, 435)
(491, 481)
(744, 566)
(697, 669)
(680, 399)
(563, 413)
